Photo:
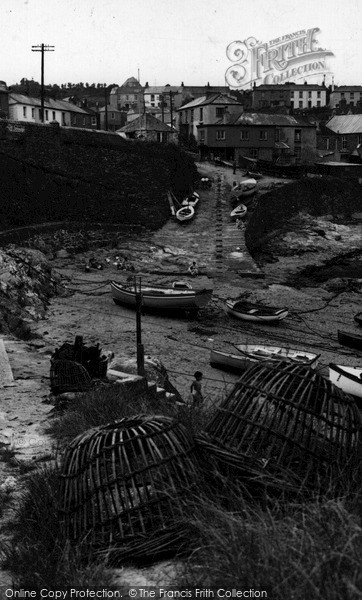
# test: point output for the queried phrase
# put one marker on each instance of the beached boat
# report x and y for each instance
(179, 296)
(191, 200)
(239, 212)
(260, 352)
(185, 213)
(255, 312)
(358, 318)
(350, 339)
(347, 378)
(246, 187)
(249, 354)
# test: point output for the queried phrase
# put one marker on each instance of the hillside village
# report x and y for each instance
(284, 124)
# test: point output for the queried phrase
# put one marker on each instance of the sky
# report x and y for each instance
(165, 41)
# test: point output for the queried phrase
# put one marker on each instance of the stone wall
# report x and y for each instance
(51, 173)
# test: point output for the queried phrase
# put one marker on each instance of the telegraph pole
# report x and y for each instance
(140, 348)
(42, 48)
(106, 109)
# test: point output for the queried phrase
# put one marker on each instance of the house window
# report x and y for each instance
(318, 102)
(33, 113)
(192, 115)
(309, 103)
(352, 95)
(152, 97)
(24, 111)
(219, 112)
(263, 135)
(152, 104)
(328, 143)
(292, 105)
(342, 94)
(83, 120)
(300, 103)
(344, 142)
(310, 94)
(277, 135)
(300, 94)
(47, 115)
(202, 135)
(74, 120)
(244, 135)
(297, 135)
(180, 116)
(94, 121)
(112, 116)
(318, 94)
(254, 152)
(201, 114)
(292, 94)
(40, 113)
(220, 134)
(63, 118)
(53, 114)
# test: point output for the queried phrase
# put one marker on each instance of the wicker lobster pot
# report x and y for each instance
(122, 486)
(289, 419)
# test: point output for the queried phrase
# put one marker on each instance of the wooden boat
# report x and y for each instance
(350, 339)
(239, 212)
(260, 352)
(191, 200)
(347, 378)
(185, 213)
(250, 354)
(245, 188)
(255, 312)
(176, 297)
(358, 318)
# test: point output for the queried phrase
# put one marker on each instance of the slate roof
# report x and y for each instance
(161, 89)
(344, 124)
(347, 88)
(145, 122)
(211, 99)
(48, 103)
(265, 119)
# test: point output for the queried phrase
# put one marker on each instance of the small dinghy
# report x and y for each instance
(185, 213)
(347, 379)
(246, 187)
(350, 339)
(178, 296)
(239, 212)
(250, 354)
(255, 312)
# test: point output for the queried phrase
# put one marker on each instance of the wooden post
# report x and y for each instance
(140, 350)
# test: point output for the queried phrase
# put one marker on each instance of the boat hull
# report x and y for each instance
(347, 378)
(352, 340)
(239, 212)
(229, 362)
(186, 213)
(161, 298)
(255, 313)
(259, 352)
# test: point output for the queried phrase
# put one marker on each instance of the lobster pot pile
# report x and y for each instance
(286, 420)
(122, 486)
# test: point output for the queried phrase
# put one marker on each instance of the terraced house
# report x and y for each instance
(207, 109)
(269, 137)
(341, 138)
(27, 109)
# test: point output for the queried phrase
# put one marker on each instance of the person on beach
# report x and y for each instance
(193, 269)
(196, 393)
